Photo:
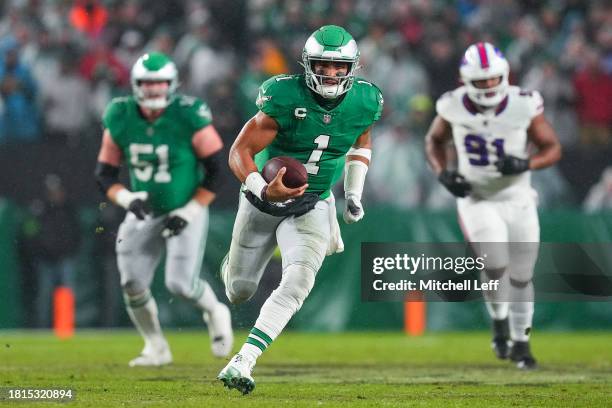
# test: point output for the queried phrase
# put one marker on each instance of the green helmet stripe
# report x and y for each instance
(154, 61)
(330, 43)
(332, 37)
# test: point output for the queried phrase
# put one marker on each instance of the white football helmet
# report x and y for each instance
(330, 43)
(484, 61)
(154, 66)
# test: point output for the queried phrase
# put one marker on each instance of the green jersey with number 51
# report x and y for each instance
(312, 134)
(159, 154)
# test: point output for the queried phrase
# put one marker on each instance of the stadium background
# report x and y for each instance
(70, 65)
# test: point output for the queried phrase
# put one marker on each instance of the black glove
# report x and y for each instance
(509, 165)
(455, 183)
(174, 225)
(296, 207)
(140, 208)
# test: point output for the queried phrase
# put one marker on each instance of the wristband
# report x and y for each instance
(354, 178)
(256, 184)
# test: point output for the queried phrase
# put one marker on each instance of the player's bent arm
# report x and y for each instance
(107, 169)
(107, 177)
(208, 147)
(362, 148)
(543, 136)
(438, 135)
(357, 162)
(255, 135)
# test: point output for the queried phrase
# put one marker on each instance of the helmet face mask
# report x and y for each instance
(150, 69)
(484, 61)
(330, 44)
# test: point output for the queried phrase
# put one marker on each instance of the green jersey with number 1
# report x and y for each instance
(159, 154)
(312, 134)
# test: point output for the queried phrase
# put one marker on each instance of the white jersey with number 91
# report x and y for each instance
(482, 138)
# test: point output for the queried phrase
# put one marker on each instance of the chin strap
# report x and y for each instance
(338, 90)
(160, 103)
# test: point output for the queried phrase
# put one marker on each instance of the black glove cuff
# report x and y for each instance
(296, 207)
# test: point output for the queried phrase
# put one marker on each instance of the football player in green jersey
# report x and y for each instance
(323, 119)
(163, 137)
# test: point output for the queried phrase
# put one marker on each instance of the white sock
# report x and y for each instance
(496, 301)
(256, 343)
(283, 303)
(207, 301)
(521, 312)
(142, 310)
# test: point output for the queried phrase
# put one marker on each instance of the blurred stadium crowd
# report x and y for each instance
(61, 62)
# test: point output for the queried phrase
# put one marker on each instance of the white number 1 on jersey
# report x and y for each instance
(322, 142)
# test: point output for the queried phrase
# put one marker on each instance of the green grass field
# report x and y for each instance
(376, 369)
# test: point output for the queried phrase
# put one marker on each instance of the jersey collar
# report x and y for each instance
(502, 106)
(327, 104)
(471, 107)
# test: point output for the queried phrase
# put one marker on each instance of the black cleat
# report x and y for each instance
(501, 339)
(521, 355)
(501, 348)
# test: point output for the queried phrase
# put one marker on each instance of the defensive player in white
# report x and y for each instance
(165, 139)
(493, 126)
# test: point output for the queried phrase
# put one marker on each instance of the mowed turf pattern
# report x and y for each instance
(371, 369)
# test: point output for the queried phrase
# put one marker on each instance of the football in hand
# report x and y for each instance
(295, 176)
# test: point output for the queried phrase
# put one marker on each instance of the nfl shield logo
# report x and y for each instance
(326, 118)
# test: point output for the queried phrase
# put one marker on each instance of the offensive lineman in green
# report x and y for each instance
(323, 119)
(163, 137)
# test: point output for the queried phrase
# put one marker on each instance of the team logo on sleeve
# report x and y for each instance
(204, 112)
(261, 99)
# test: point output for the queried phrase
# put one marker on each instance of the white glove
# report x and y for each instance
(134, 201)
(178, 219)
(353, 210)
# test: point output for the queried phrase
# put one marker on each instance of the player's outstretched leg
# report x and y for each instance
(521, 355)
(219, 322)
(139, 248)
(142, 310)
(276, 312)
(521, 315)
(183, 265)
(501, 338)
(497, 307)
(524, 256)
(303, 242)
(216, 314)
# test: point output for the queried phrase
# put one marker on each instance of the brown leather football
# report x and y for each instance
(295, 176)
